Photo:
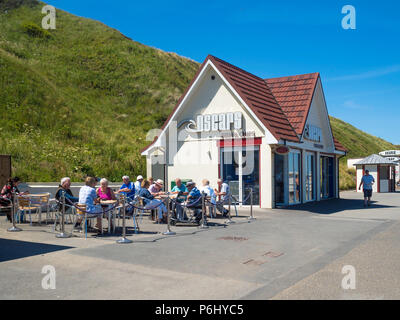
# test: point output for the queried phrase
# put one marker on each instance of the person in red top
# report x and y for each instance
(6, 193)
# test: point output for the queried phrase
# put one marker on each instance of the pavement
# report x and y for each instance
(293, 253)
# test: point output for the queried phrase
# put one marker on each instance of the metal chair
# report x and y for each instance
(69, 212)
(81, 212)
(24, 205)
(41, 201)
(212, 207)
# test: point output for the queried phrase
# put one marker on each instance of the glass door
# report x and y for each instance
(310, 169)
(327, 177)
(240, 168)
(294, 177)
(279, 166)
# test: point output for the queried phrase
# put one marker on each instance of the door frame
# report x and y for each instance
(240, 149)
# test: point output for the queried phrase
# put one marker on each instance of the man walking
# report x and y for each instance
(367, 181)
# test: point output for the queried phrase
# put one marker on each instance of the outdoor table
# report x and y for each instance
(35, 201)
(106, 204)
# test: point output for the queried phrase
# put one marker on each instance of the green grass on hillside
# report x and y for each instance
(81, 100)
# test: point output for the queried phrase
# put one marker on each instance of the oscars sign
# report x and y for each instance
(215, 122)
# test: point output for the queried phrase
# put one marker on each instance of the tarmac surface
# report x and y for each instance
(293, 253)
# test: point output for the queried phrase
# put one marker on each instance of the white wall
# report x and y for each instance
(267, 182)
(318, 116)
(196, 156)
(351, 162)
(384, 187)
(359, 176)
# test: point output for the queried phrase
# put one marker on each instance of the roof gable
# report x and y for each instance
(294, 94)
(281, 104)
(374, 159)
(255, 92)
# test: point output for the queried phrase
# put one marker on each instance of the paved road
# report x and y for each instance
(295, 253)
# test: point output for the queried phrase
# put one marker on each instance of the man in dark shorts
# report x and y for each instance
(367, 181)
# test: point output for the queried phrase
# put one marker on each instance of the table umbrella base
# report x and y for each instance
(124, 240)
(14, 229)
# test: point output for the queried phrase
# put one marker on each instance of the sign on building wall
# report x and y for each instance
(390, 153)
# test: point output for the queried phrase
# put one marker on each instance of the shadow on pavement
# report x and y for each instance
(335, 205)
(16, 249)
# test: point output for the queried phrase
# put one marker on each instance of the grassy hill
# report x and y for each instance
(80, 99)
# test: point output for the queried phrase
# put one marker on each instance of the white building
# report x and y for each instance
(351, 163)
(382, 169)
(271, 135)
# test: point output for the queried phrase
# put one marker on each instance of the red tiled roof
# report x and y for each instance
(338, 145)
(256, 94)
(281, 104)
(294, 95)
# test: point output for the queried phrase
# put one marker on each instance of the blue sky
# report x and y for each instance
(360, 68)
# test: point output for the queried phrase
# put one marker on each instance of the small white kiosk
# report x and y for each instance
(382, 169)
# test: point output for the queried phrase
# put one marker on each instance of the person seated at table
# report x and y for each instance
(210, 193)
(138, 183)
(65, 187)
(181, 191)
(179, 188)
(88, 197)
(104, 192)
(193, 200)
(6, 194)
(156, 187)
(224, 194)
(151, 202)
(151, 180)
(127, 188)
